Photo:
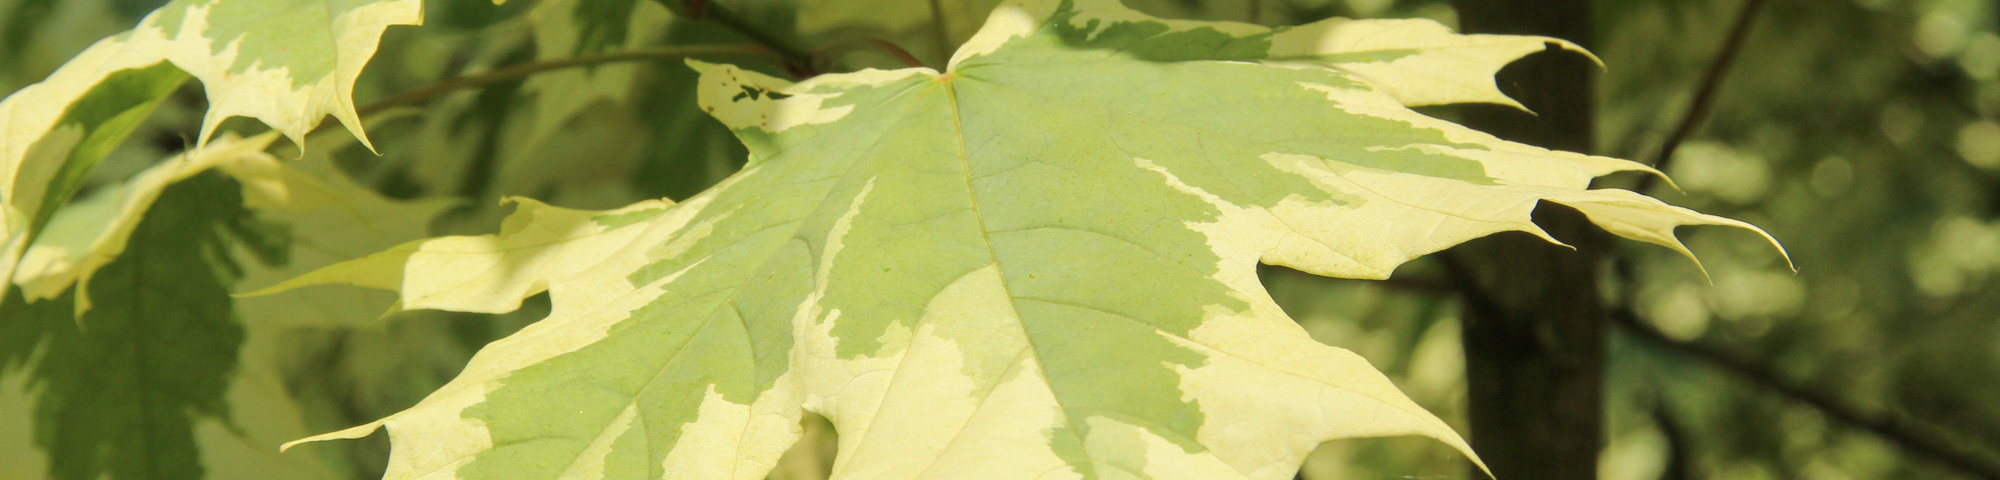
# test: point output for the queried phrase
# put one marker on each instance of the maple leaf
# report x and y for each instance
(160, 378)
(289, 63)
(164, 350)
(337, 219)
(1038, 263)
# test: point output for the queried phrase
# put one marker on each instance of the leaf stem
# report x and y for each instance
(940, 30)
(519, 70)
(1912, 436)
(1704, 96)
(879, 44)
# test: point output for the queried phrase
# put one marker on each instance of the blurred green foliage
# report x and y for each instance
(1865, 134)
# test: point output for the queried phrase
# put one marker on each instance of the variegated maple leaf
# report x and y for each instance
(289, 63)
(1038, 263)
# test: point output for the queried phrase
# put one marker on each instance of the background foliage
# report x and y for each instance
(1865, 134)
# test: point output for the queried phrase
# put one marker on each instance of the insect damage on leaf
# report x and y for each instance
(1040, 263)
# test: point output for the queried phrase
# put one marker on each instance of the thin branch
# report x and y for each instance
(520, 70)
(1913, 437)
(893, 49)
(1680, 451)
(1704, 96)
(798, 60)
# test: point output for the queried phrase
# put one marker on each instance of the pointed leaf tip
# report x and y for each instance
(289, 69)
(349, 433)
(949, 267)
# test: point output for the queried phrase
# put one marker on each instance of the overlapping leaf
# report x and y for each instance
(161, 379)
(289, 63)
(336, 220)
(158, 256)
(1039, 263)
(82, 238)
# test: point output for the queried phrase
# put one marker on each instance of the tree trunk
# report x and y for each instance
(1533, 329)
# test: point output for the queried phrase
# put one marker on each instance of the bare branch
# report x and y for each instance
(1912, 436)
(1704, 96)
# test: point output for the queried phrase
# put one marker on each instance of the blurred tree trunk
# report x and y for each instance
(1533, 330)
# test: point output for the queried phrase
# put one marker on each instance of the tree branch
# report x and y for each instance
(1911, 436)
(1680, 451)
(1704, 96)
(519, 70)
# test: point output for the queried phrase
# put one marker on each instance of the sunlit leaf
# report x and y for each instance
(335, 220)
(185, 327)
(1038, 263)
(289, 63)
(151, 383)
